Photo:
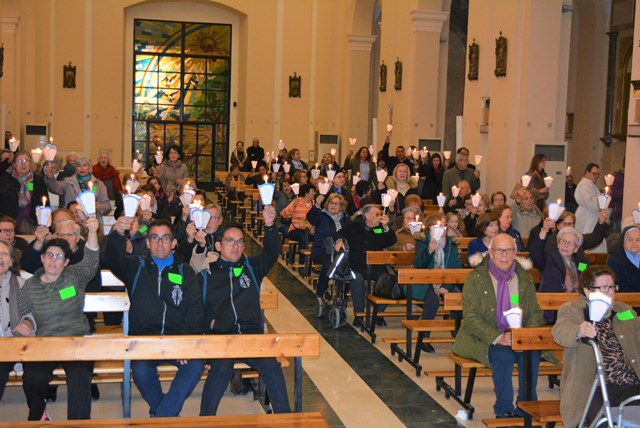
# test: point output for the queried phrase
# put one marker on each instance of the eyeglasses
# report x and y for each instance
(504, 251)
(605, 288)
(23, 161)
(234, 243)
(567, 243)
(564, 223)
(334, 203)
(596, 173)
(55, 256)
(7, 231)
(164, 238)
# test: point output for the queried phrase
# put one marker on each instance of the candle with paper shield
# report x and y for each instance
(14, 144)
(330, 172)
(135, 166)
(455, 190)
(266, 192)
(267, 157)
(393, 193)
(145, 203)
(603, 201)
(415, 226)
(87, 201)
(409, 152)
(525, 180)
(416, 154)
(548, 181)
(447, 154)
(371, 150)
(36, 154)
(514, 317)
(333, 152)
(50, 151)
(254, 164)
(280, 145)
(352, 141)
(159, 156)
(43, 213)
(608, 179)
(186, 197)
(324, 186)
(381, 175)
(437, 231)
(441, 198)
(315, 173)
(130, 204)
(199, 216)
(555, 209)
(477, 159)
(599, 304)
(133, 185)
(386, 200)
(636, 215)
(475, 200)
(389, 128)
(356, 178)
(275, 166)
(295, 188)
(286, 167)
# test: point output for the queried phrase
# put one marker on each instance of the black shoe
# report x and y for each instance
(95, 392)
(52, 394)
(357, 322)
(381, 322)
(427, 347)
(506, 415)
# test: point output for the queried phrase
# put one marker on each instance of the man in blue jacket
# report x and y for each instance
(232, 306)
(166, 299)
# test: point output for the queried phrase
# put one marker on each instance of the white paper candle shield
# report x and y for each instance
(135, 166)
(267, 157)
(50, 151)
(636, 216)
(548, 181)
(145, 203)
(424, 153)
(416, 154)
(315, 173)
(514, 317)
(280, 145)
(604, 201)
(352, 141)
(130, 203)
(437, 232)
(599, 304)
(323, 187)
(36, 154)
(555, 210)
(441, 198)
(455, 191)
(447, 154)
(286, 167)
(133, 185)
(393, 193)
(44, 215)
(355, 179)
(478, 159)
(330, 174)
(295, 188)
(186, 197)
(266, 192)
(333, 152)
(87, 201)
(381, 175)
(415, 226)
(371, 150)
(14, 144)
(159, 157)
(254, 164)
(409, 152)
(386, 199)
(199, 217)
(389, 128)
(608, 179)
(475, 200)
(525, 180)
(275, 166)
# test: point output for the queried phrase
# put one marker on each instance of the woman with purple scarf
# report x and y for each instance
(497, 285)
(21, 191)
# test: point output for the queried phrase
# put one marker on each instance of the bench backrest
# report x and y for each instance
(390, 257)
(533, 339)
(118, 348)
(106, 302)
(443, 276)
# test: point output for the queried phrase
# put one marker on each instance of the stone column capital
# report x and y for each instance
(360, 43)
(9, 24)
(428, 20)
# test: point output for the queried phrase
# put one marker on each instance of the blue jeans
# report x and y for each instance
(221, 371)
(145, 376)
(502, 359)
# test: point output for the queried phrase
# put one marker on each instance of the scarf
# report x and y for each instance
(24, 194)
(83, 181)
(103, 174)
(336, 218)
(502, 297)
(571, 277)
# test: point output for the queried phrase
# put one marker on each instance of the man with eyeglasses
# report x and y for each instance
(586, 195)
(232, 306)
(617, 337)
(495, 286)
(166, 299)
(8, 234)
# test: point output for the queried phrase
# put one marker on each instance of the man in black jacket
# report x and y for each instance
(232, 306)
(166, 299)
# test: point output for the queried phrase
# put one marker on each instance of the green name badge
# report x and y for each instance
(67, 292)
(625, 316)
(176, 278)
(582, 266)
(143, 229)
(237, 271)
(377, 230)
(30, 186)
(94, 188)
(514, 299)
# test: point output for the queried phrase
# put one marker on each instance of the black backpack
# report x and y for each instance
(387, 285)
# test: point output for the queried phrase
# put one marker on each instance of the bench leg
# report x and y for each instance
(416, 355)
(297, 380)
(126, 390)
(468, 391)
(456, 390)
(372, 324)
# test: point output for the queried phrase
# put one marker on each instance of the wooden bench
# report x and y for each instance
(127, 348)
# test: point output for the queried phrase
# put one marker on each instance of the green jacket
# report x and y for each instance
(579, 366)
(480, 329)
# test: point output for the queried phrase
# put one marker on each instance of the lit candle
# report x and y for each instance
(559, 201)
(417, 217)
(606, 190)
(50, 140)
(358, 174)
(91, 186)
(329, 166)
(316, 165)
(266, 178)
(128, 189)
(374, 159)
(44, 201)
(568, 170)
(133, 177)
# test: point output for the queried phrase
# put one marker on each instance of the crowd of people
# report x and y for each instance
(184, 280)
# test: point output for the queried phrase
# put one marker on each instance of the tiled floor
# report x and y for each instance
(353, 383)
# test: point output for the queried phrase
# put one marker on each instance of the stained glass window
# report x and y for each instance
(181, 93)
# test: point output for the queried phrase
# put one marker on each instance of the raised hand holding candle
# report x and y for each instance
(14, 144)
(608, 179)
(324, 186)
(455, 190)
(352, 141)
(525, 180)
(604, 200)
(555, 209)
(441, 199)
(478, 159)
(266, 192)
(87, 201)
(548, 181)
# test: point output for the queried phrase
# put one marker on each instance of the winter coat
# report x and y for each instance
(324, 228)
(174, 171)
(361, 239)
(9, 188)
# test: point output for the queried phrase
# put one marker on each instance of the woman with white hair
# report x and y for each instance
(562, 264)
(108, 174)
(72, 186)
